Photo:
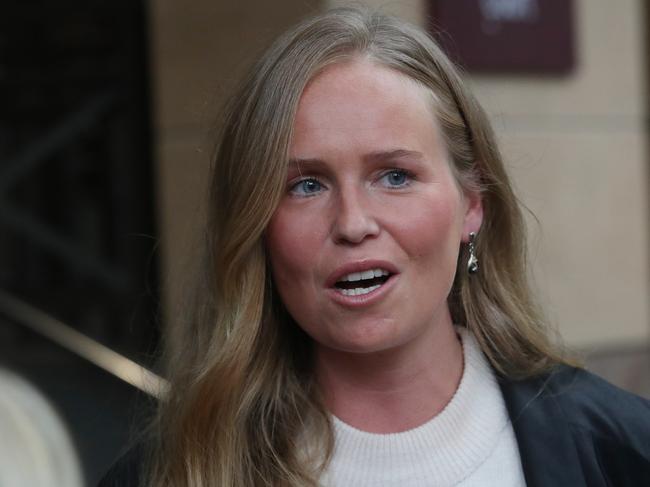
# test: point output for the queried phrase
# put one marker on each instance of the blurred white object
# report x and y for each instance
(35, 447)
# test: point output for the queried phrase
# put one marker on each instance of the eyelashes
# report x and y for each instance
(397, 178)
(306, 187)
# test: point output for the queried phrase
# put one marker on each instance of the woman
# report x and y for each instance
(364, 317)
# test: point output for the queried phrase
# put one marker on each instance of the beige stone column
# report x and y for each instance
(577, 149)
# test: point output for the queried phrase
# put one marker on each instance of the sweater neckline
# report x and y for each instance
(448, 447)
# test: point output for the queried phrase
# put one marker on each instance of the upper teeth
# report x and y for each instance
(369, 274)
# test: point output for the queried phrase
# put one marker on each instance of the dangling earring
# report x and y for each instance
(472, 262)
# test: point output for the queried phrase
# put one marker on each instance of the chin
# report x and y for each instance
(365, 341)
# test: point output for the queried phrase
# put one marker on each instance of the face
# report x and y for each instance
(364, 243)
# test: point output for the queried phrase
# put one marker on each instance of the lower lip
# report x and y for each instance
(364, 299)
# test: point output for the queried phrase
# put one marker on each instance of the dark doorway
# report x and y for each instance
(76, 178)
(77, 220)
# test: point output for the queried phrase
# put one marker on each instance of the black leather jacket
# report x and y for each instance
(575, 429)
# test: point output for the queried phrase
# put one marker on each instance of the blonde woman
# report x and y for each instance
(364, 318)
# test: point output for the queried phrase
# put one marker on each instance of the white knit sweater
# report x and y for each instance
(470, 443)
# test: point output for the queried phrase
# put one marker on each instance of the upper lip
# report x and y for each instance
(358, 266)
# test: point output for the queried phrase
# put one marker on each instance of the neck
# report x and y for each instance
(392, 390)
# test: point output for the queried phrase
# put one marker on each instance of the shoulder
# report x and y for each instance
(127, 470)
(570, 413)
(593, 405)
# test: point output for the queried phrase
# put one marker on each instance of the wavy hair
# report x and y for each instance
(243, 409)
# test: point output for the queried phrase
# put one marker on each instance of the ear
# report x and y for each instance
(473, 214)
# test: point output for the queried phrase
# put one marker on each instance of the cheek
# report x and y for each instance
(432, 230)
(291, 243)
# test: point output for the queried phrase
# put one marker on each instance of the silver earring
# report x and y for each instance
(472, 261)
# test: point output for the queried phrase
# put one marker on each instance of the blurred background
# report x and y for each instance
(106, 115)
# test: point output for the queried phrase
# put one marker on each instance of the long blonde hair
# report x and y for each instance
(243, 408)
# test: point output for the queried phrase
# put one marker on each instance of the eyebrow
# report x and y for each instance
(391, 155)
(377, 156)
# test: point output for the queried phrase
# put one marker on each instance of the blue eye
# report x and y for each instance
(396, 178)
(306, 187)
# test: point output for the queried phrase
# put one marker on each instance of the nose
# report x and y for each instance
(354, 220)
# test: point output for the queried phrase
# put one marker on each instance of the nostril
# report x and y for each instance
(356, 231)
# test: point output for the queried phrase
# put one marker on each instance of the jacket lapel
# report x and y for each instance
(546, 446)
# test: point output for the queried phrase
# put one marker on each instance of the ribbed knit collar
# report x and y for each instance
(447, 448)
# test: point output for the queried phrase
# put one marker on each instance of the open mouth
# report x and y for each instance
(359, 283)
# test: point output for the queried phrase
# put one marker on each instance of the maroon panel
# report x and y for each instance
(518, 36)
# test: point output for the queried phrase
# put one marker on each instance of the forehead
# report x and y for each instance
(362, 101)
(363, 80)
